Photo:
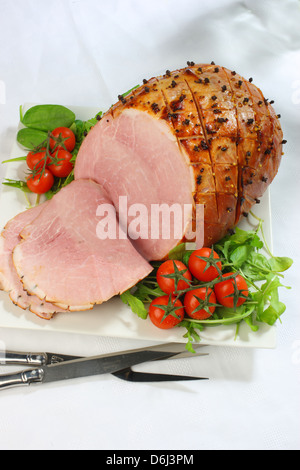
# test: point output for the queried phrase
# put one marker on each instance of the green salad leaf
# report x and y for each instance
(136, 305)
(17, 184)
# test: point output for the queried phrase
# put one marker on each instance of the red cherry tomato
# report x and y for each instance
(37, 160)
(41, 182)
(63, 167)
(195, 301)
(169, 306)
(64, 139)
(168, 284)
(205, 269)
(231, 292)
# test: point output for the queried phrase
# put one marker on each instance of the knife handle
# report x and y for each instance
(25, 377)
(19, 358)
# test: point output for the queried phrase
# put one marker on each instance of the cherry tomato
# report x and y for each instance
(205, 270)
(64, 137)
(63, 167)
(197, 303)
(232, 292)
(169, 306)
(41, 182)
(36, 160)
(177, 282)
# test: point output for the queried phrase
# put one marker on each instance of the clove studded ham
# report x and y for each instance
(202, 134)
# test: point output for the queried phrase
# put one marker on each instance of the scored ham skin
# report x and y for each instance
(9, 279)
(227, 134)
(62, 260)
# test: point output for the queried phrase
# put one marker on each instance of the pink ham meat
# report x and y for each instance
(9, 279)
(61, 259)
(137, 157)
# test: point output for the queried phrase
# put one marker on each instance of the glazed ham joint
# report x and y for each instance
(202, 135)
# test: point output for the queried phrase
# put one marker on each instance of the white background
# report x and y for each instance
(86, 52)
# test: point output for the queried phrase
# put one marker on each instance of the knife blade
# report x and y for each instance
(85, 367)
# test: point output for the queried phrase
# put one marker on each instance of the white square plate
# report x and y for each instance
(113, 318)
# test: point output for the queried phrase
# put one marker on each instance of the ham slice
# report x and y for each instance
(61, 259)
(9, 279)
(137, 158)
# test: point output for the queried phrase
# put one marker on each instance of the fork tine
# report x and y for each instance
(131, 376)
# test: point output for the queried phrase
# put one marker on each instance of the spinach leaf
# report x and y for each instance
(47, 117)
(31, 138)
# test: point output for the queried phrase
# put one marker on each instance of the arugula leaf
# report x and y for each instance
(240, 254)
(250, 322)
(17, 184)
(268, 295)
(191, 333)
(256, 267)
(144, 292)
(19, 159)
(240, 238)
(147, 293)
(280, 264)
(137, 306)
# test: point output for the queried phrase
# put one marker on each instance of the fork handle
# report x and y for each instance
(19, 358)
(25, 377)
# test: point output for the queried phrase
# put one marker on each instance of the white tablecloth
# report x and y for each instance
(86, 52)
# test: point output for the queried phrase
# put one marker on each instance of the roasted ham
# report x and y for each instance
(202, 133)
